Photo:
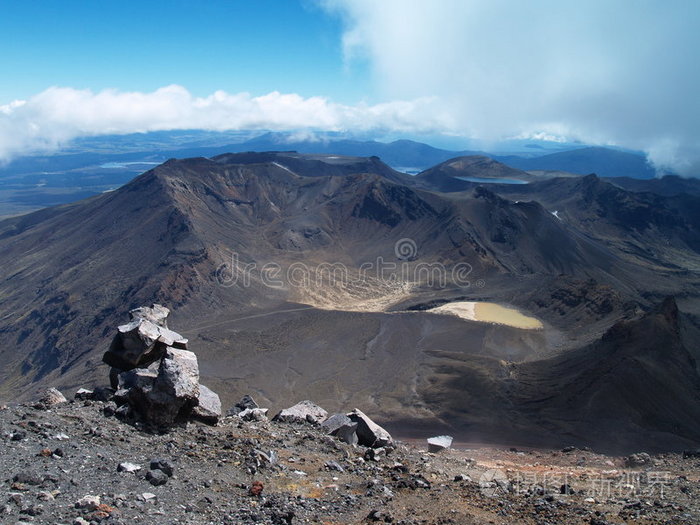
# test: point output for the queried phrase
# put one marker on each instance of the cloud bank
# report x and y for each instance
(625, 72)
(55, 116)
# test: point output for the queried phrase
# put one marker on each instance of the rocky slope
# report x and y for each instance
(76, 463)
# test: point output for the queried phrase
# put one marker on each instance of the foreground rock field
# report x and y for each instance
(77, 463)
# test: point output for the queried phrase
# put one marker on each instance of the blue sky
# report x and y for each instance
(622, 72)
(257, 46)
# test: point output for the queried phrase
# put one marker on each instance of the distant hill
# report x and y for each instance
(604, 162)
(669, 185)
(449, 176)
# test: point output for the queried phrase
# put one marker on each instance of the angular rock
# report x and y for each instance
(253, 414)
(342, 427)
(133, 384)
(156, 313)
(178, 374)
(84, 394)
(335, 422)
(303, 412)
(163, 465)
(140, 343)
(348, 434)
(374, 454)
(128, 467)
(209, 407)
(51, 398)
(156, 477)
(162, 397)
(334, 465)
(439, 443)
(265, 458)
(246, 402)
(369, 434)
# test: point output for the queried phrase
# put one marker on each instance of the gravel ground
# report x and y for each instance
(77, 463)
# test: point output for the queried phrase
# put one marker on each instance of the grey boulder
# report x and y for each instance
(209, 407)
(162, 397)
(303, 412)
(342, 427)
(369, 434)
(50, 398)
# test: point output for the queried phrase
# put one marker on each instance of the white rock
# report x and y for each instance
(438, 443)
(128, 467)
(88, 502)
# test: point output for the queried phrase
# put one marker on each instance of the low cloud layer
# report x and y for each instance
(55, 116)
(624, 72)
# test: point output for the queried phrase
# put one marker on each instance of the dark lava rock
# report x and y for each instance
(163, 465)
(157, 477)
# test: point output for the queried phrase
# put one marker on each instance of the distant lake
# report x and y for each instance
(408, 170)
(494, 180)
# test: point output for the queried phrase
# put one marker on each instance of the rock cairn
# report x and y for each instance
(155, 376)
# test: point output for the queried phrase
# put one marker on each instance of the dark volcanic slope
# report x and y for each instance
(668, 186)
(651, 229)
(69, 274)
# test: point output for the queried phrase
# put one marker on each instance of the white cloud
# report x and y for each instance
(55, 116)
(624, 72)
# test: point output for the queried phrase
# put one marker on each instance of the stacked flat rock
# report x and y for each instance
(155, 375)
(143, 340)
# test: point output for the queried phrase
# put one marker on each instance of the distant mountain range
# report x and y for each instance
(91, 166)
(231, 244)
(604, 162)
